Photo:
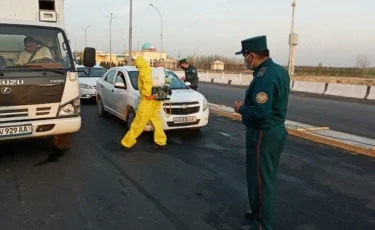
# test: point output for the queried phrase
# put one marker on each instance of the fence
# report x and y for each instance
(309, 71)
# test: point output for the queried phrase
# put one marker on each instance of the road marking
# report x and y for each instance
(227, 135)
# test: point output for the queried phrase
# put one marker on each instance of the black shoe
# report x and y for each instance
(125, 148)
(249, 215)
(156, 146)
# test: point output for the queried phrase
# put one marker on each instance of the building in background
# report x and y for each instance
(217, 65)
(117, 59)
(148, 52)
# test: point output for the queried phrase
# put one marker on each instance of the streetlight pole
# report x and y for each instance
(293, 41)
(110, 39)
(161, 32)
(85, 28)
(130, 32)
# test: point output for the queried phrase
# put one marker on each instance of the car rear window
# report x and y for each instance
(94, 72)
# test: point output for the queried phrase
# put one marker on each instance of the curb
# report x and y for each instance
(302, 134)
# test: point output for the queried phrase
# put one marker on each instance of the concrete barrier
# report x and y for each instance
(309, 87)
(371, 95)
(236, 82)
(343, 90)
(204, 79)
(221, 81)
(334, 89)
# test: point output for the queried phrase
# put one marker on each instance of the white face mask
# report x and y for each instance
(250, 67)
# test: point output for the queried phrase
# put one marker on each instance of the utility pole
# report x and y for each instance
(161, 32)
(179, 55)
(293, 42)
(110, 39)
(130, 32)
(85, 28)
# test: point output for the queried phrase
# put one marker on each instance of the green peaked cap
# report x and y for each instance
(255, 44)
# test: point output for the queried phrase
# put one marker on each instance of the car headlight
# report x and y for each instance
(72, 108)
(85, 86)
(205, 104)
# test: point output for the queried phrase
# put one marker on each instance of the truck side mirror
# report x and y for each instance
(89, 57)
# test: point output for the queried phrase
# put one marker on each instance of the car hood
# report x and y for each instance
(183, 95)
(89, 80)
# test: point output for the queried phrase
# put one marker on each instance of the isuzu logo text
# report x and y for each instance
(12, 82)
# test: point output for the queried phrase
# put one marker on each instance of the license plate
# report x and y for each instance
(16, 130)
(178, 120)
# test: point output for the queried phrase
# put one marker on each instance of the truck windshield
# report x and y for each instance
(22, 46)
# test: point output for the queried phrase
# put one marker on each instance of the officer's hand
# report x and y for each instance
(237, 105)
(151, 97)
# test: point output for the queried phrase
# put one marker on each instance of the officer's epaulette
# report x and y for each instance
(262, 71)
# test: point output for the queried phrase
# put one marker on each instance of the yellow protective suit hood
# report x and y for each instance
(144, 77)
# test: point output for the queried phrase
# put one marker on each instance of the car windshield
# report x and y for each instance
(23, 46)
(91, 72)
(176, 82)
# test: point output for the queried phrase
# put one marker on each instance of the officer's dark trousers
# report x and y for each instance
(194, 87)
(263, 151)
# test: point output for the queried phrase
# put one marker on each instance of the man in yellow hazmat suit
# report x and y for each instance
(148, 109)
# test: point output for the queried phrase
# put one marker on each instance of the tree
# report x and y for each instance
(203, 62)
(363, 62)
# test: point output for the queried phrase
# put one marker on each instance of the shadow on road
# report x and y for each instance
(40, 150)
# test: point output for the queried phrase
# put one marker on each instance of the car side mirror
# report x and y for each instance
(89, 57)
(120, 85)
(187, 83)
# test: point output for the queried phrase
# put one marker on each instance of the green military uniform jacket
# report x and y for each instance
(191, 75)
(266, 99)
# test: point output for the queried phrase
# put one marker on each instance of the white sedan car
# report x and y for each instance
(117, 93)
(87, 80)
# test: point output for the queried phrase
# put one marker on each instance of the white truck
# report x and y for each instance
(39, 88)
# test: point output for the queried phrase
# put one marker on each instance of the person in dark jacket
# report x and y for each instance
(263, 114)
(191, 74)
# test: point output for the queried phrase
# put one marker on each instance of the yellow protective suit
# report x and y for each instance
(148, 110)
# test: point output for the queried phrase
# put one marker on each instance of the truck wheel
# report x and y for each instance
(62, 141)
(130, 117)
(100, 106)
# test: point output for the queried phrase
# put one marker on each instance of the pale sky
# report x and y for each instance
(333, 32)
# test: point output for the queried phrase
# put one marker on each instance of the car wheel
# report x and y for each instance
(100, 106)
(130, 117)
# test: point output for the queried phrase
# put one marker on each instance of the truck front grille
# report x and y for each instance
(27, 113)
(42, 111)
(14, 113)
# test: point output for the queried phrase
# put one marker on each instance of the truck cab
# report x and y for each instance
(39, 88)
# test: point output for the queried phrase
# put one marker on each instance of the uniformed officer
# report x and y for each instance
(263, 113)
(191, 74)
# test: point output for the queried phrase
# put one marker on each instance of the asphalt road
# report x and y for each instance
(342, 114)
(197, 183)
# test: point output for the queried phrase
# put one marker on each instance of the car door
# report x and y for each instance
(107, 89)
(120, 96)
